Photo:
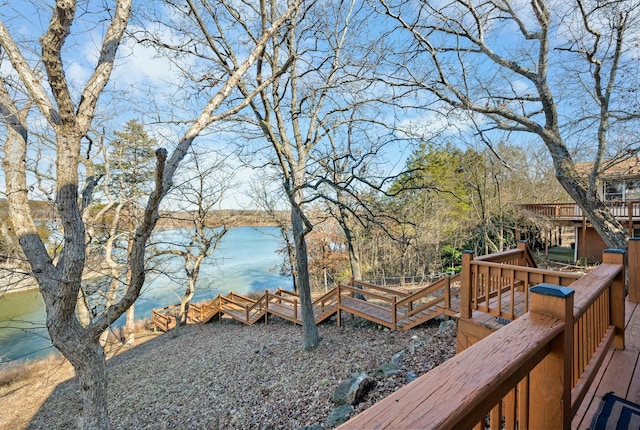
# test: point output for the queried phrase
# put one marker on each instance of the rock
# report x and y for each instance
(351, 391)
(339, 415)
(411, 376)
(398, 357)
(385, 370)
(415, 344)
(313, 427)
(446, 325)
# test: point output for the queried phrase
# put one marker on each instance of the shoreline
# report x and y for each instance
(16, 282)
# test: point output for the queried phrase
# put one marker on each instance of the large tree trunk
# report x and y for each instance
(186, 299)
(311, 337)
(130, 324)
(607, 226)
(89, 363)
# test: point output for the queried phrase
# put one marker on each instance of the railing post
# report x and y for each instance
(616, 298)
(447, 293)
(393, 313)
(466, 285)
(634, 269)
(338, 304)
(266, 307)
(522, 246)
(630, 218)
(550, 380)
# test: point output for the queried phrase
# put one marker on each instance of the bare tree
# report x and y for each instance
(561, 71)
(302, 113)
(293, 108)
(70, 115)
(269, 200)
(204, 181)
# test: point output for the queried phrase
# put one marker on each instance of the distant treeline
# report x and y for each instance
(44, 211)
(40, 210)
(226, 217)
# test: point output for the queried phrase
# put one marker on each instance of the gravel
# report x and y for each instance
(231, 376)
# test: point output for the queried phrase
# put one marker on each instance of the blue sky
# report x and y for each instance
(147, 87)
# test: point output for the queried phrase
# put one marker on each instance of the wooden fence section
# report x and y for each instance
(391, 308)
(496, 283)
(532, 373)
(630, 209)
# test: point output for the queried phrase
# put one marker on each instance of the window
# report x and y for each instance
(613, 190)
(632, 190)
(622, 191)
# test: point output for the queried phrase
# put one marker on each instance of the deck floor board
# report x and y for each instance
(620, 372)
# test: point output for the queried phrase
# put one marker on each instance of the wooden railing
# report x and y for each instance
(434, 294)
(393, 308)
(165, 318)
(383, 305)
(292, 300)
(386, 291)
(520, 256)
(325, 302)
(488, 279)
(532, 373)
(380, 302)
(630, 209)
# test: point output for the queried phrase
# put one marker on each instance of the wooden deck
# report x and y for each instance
(535, 372)
(518, 375)
(620, 372)
(395, 309)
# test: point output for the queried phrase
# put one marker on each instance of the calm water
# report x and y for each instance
(245, 262)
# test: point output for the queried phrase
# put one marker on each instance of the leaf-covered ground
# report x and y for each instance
(229, 376)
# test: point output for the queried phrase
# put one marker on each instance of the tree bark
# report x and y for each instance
(311, 337)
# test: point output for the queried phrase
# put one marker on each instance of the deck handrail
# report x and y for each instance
(261, 303)
(354, 291)
(291, 300)
(321, 302)
(527, 372)
(521, 255)
(235, 295)
(618, 209)
(326, 296)
(281, 292)
(232, 300)
(443, 284)
(390, 291)
(485, 280)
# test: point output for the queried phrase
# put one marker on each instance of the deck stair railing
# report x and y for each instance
(165, 318)
(532, 373)
(389, 307)
(427, 303)
(370, 301)
(326, 305)
(497, 283)
(242, 308)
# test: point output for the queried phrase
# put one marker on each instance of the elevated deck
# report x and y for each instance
(619, 373)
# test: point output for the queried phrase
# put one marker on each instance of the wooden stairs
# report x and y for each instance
(388, 307)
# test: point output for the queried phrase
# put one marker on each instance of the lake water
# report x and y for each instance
(245, 262)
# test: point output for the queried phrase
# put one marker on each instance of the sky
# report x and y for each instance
(144, 86)
(150, 88)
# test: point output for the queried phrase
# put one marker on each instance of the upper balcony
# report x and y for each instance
(623, 211)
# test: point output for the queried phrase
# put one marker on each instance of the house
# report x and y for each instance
(619, 188)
